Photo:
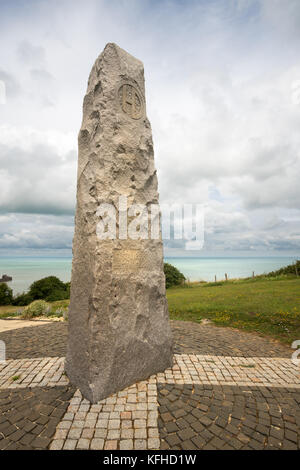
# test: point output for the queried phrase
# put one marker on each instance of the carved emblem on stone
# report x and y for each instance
(131, 101)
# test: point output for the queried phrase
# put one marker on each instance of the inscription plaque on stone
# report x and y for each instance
(126, 260)
(119, 330)
(129, 261)
(131, 101)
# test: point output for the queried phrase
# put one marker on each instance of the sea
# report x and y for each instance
(25, 270)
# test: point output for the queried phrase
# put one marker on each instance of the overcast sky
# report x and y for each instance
(223, 98)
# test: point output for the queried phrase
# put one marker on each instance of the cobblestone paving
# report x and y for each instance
(126, 420)
(228, 417)
(209, 402)
(29, 416)
(42, 372)
(227, 390)
(49, 340)
(195, 338)
(219, 370)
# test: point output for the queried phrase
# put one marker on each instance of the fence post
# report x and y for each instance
(226, 277)
(215, 278)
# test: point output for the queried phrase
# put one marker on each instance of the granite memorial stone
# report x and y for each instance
(119, 329)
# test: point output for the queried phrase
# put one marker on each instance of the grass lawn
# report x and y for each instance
(8, 311)
(267, 306)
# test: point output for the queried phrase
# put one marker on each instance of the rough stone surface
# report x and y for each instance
(119, 329)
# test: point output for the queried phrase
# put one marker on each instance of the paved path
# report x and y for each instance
(12, 324)
(50, 340)
(226, 390)
(220, 341)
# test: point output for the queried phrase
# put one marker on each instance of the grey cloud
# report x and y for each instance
(30, 54)
(36, 232)
(282, 17)
(273, 222)
(12, 86)
(41, 75)
(37, 180)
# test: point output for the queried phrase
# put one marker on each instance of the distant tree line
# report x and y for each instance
(51, 288)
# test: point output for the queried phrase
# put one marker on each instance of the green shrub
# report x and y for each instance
(6, 294)
(49, 288)
(36, 309)
(214, 284)
(291, 269)
(57, 294)
(173, 276)
(57, 312)
(68, 288)
(22, 299)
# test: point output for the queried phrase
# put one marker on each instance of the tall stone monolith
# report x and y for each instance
(119, 329)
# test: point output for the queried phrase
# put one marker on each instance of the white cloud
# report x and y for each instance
(38, 171)
(19, 231)
(220, 96)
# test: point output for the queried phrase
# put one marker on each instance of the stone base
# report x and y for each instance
(124, 375)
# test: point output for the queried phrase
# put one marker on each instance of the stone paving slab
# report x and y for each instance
(126, 420)
(29, 416)
(210, 417)
(41, 372)
(187, 369)
(224, 370)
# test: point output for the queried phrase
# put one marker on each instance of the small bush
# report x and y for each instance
(291, 269)
(214, 284)
(57, 294)
(22, 299)
(49, 288)
(36, 309)
(6, 294)
(173, 276)
(60, 309)
(58, 312)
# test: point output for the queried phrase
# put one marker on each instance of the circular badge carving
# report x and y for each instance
(131, 101)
